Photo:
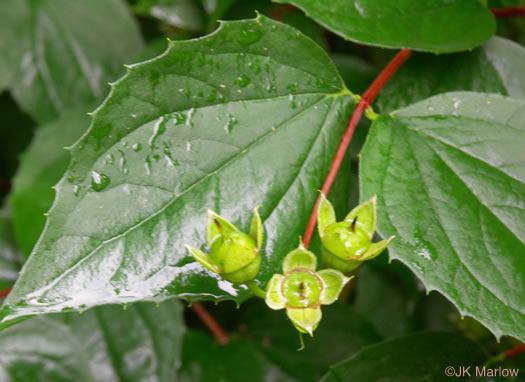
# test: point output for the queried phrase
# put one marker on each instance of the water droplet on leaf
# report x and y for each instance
(99, 181)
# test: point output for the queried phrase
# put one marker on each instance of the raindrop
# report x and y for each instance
(109, 159)
(158, 129)
(99, 181)
(188, 146)
(167, 154)
(249, 36)
(76, 189)
(230, 123)
(147, 165)
(189, 119)
(136, 147)
(123, 163)
(243, 80)
(292, 87)
(293, 105)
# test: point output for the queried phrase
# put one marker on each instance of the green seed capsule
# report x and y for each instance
(302, 290)
(233, 254)
(348, 243)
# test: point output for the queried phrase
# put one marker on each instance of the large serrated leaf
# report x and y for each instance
(414, 24)
(141, 343)
(63, 52)
(496, 67)
(248, 115)
(449, 175)
(424, 356)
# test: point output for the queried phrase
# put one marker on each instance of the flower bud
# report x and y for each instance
(348, 243)
(233, 254)
(302, 290)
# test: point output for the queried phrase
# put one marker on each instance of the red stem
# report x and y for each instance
(218, 332)
(4, 292)
(508, 12)
(5, 185)
(277, 13)
(514, 351)
(368, 97)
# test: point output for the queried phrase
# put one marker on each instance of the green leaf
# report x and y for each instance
(206, 125)
(493, 68)
(450, 182)
(184, 14)
(64, 52)
(265, 349)
(141, 343)
(205, 360)
(10, 259)
(415, 357)
(41, 167)
(413, 24)
(387, 295)
(216, 9)
(342, 332)
(356, 72)
(307, 26)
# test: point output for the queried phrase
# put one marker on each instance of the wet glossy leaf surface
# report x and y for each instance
(142, 343)
(410, 24)
(42, 166)
(449, 177)
(496, 67)
(415, 357)
(63, 53)
(226, 122)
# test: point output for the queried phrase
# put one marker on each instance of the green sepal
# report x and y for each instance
(375, 249)
(333, 261)
(214, 230)
(325, 214)
(334, 281)
(345, 240)
(305, 320)
(366, 216)
(203, 258)
(300, 258)
(256, 228)
(274, 298)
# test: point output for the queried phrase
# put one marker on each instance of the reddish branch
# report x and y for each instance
(366, 100)
(514, 351)
(277, 13)
(5, 185)
(508, 12)
(218, 332)
(4, 292)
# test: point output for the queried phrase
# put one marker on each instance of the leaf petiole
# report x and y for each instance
(256, 289)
